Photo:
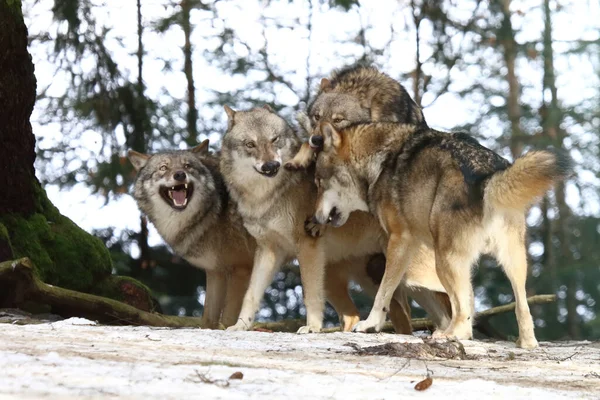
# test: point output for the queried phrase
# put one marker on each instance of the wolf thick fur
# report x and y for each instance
(208, 232)
(275, 203)
(440, 190)
(354, 94)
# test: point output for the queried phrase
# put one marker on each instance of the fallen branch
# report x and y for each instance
(418, 324)
(18, 277)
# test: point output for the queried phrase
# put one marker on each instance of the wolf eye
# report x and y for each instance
(187, 166)
(250, 145)
(337, 120)
(163, 168)
(275, 139)
(317, 117)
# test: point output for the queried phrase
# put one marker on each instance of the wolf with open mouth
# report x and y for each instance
(183, 194)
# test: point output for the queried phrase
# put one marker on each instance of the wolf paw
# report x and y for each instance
(528, 344)
(240, 326)
(294, 166)
(308, 329)
(313, 229)
(367, 327)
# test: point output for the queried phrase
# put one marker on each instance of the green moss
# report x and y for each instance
(5, 245)
(126, 290)
(64, 254)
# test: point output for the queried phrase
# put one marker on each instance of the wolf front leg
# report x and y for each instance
(311, 258)
(215, 299)
(398, 255)
(267, 261)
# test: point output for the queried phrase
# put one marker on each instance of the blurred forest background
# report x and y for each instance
(154, 74)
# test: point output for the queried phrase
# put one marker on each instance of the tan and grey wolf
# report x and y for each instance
(440, 190)
(357, 93)
(274, 204)
(183, 194)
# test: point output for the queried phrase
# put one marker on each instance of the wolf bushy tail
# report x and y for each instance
(527, 179)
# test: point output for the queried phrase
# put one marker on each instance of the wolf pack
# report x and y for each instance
(363, 191)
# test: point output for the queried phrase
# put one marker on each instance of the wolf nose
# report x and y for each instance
(316, 141)
(270, 166)
(179, 176)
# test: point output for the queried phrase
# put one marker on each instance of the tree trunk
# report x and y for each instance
(139, 143)
(418, 73)
(17, 96)
(192, 114)
(551, 119)
(30, 226)
(506, 36)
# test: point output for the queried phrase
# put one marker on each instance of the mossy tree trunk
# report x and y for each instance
(30, 225)
(17, 97)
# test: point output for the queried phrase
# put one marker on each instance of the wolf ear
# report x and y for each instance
(268, 108)
(230, 115)
(138, 160)
(332, 137)
(202, 148)
(325, 85)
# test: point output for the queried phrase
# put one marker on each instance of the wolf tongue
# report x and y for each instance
(179, 196)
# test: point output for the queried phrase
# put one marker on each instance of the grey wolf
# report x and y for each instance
(441, 190)
(274, 204)
(354, 94)
(184, 195)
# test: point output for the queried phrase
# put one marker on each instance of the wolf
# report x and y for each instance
(357, 93)
(442, 190)
(274, 204)
(184, 195)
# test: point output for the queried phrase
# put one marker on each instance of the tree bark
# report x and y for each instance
(192, 113)
(551, 119)
(506, 36)
(17, 97)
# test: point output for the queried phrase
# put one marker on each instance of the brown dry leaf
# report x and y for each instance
(237, 375)
(424, 384)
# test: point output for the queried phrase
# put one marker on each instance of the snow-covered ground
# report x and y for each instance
(75, 359)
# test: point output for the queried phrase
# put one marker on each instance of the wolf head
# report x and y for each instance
(338, 184)
(257, 143)
(361, 94)
(175, 184)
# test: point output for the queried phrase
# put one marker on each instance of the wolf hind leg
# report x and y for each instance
(509, 249)
(237, 285)
(215, 299)
(336, 289)
(453, 267)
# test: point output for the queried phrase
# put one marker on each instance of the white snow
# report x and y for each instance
(75, 361)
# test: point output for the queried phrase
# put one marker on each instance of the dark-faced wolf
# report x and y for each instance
(441, 190)
(351, 95)
(275, 203)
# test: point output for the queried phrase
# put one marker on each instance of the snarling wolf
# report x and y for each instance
(354, 94)
(274, 204)
(183, 194)
(442, 190)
